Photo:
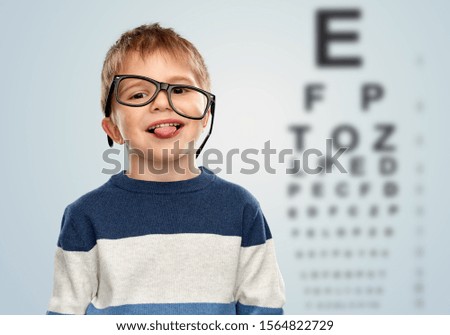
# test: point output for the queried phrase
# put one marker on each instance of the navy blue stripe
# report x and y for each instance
(256, 230)
(113, 212)
(77, 232)
(166, 309)
(254, 310)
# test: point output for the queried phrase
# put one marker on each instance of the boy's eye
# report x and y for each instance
(178, 90)
(139, 95)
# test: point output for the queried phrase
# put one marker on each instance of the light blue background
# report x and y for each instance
(52, 142)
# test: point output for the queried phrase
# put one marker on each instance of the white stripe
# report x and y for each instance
(259, 280)
(167, 268)
(74, 282)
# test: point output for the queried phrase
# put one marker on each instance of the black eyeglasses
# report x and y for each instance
(187, 101)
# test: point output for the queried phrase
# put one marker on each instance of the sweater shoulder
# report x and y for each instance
(254, 227)
(91, 199)
(77, 231)
(234, 191)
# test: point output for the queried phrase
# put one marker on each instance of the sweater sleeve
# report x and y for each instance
(75, 265)
(260, 286)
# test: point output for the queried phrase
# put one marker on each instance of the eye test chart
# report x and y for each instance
(364, 217)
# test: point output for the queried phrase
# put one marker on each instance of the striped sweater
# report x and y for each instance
(196, 246)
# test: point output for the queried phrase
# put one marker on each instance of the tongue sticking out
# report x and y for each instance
(165, 131)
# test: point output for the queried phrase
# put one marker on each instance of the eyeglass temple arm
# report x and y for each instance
(108, 113)
(209, 133)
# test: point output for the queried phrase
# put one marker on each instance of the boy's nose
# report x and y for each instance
(161, 101)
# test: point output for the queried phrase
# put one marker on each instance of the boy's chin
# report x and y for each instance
(173, 151)
(164, 158)
(177, 148)
(167, 156)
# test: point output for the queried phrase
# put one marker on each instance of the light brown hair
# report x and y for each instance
(147, 39)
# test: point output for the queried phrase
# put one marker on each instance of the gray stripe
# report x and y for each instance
(174, 268)
(259, 280)
(74, 282)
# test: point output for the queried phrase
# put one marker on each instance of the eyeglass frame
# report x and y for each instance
(160, 86)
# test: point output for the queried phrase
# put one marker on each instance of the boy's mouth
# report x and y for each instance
(165, 129)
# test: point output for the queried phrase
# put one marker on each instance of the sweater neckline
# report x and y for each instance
(200, 181)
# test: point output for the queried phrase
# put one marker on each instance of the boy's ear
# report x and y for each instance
(112, 130)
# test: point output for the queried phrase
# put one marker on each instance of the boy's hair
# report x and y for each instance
(147, 39)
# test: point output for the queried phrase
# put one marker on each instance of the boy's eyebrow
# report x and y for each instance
(176, 79)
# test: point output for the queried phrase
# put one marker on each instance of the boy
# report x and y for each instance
(164, 236)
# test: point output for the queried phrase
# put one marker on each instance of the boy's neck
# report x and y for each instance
(181, 169)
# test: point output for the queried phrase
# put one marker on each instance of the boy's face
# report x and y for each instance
(132, 124)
